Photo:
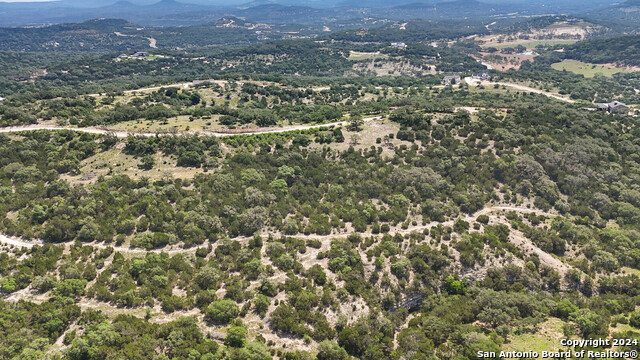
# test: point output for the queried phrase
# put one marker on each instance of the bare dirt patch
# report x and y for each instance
(504, 62)
(371, 131)
(387, 68)
(559, 32)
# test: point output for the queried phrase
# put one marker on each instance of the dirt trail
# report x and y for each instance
(530, 89)
(123, 133)
(17, 242)
(489, 66)
(184, 85)
(517, 238)
(174, 250)
(473, 82)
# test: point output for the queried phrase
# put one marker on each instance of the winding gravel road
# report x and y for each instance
(124, 133)
(475, 82)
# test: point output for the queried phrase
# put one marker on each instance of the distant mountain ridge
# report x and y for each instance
(623, 17)
(630, 3)
(188, 12)
(102, 36)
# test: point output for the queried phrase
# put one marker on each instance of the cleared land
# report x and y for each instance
(556, 34)
(474, 82)
(546, 338)
(531, 44)
(178, 123)
(358, 56)
(124, 134)
(504, 62)
(589, 70)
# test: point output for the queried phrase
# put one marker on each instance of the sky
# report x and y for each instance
(106, 2)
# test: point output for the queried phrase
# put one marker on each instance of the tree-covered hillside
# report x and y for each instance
(619, 50)
(362, 194)
(343, 249)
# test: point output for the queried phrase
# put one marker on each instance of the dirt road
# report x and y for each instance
(123, 133)
(184, 85)
(473, 82)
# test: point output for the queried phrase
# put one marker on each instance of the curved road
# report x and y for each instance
(473, 82)
(124, 133)
(469, 80)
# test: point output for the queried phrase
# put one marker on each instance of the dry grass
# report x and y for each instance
(507, 61)
(558, 33)
(533, 44)
(179, 123)
(589, 70)
(387, 68)
(358, 56)
(547, 338)
(115, 162)
(371, 131)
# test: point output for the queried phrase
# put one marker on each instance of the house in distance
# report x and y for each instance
(613, 107)
(482, 75)
(451, 80)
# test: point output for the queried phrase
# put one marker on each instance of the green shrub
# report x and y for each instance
(221, 312)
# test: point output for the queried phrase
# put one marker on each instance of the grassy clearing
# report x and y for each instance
(367, 138)
(358, 56)
(630, 271)
(587, 69)
(114, 162)
(622, 328)
(179, 123)
(547, 338)
(530, 44)
(578, 24)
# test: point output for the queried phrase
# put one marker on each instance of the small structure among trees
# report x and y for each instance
(451, 80)
(482, 75)
(612, 107)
